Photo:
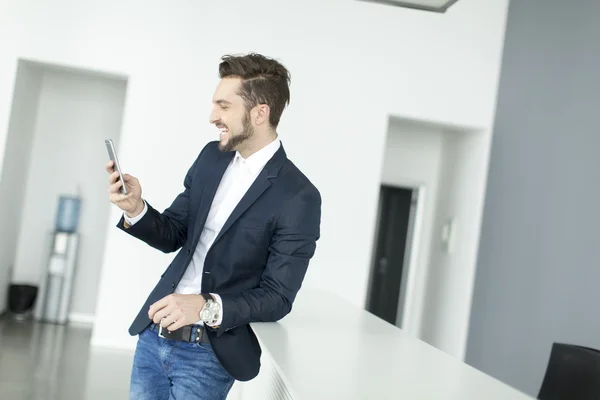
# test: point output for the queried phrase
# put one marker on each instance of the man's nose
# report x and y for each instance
(213, 117)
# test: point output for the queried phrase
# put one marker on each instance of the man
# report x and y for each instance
(245, 226)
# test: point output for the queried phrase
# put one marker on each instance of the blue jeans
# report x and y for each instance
(167, 370)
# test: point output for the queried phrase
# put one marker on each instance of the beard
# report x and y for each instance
(236, 140)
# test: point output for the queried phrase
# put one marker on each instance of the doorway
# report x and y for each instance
(60, 117)
(392, 252)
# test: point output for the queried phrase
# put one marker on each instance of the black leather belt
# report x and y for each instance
(188, 333)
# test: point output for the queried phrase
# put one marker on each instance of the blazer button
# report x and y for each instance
(173, 285)
(189, 251)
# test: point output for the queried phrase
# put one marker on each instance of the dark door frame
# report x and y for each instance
(408, 280)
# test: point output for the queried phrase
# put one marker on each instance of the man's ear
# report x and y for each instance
(262, 114)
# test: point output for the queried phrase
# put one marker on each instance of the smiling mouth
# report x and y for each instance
(223, 131)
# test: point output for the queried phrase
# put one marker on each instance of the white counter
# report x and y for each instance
(328, 348)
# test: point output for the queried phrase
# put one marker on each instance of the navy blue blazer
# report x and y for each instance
(257, 262)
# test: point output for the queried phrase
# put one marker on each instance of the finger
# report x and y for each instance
(117, 198)
(114, 188)
(159, 305)
(109, 167)
(177, 324)
(112, 178)
(170, 319)
(163, 313)
(129, 178)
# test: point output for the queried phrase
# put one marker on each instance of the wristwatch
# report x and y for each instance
(209, 314)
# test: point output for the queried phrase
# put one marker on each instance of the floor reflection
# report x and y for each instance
(52, 362)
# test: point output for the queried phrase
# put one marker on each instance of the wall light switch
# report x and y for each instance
(448, 234)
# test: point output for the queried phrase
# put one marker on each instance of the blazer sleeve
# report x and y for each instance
(292, 246)
(166, 231)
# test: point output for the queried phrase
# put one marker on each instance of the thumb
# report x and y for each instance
(128, 178)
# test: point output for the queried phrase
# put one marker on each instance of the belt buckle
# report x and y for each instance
(160, 332)
(188, 333)
(170, 335)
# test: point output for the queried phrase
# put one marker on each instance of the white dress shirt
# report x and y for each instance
(238, 177)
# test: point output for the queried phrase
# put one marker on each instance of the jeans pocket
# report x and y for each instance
(206, 346)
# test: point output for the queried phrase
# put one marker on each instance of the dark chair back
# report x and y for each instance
(573, 373)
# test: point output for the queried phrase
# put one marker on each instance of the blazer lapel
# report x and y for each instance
(262, 183)
(208, 194)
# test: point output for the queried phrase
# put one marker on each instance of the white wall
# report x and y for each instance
(76, 113)
(412, 155)
(450, 162)
(16, 168)
(357, 64)
(449, 285)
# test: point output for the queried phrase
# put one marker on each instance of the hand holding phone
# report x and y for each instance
(124, 190)
(112, 155)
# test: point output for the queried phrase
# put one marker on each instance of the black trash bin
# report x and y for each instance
(21, 299)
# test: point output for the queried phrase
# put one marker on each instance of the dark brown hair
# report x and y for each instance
(264, 81)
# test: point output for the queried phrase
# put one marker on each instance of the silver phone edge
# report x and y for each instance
(110, 143)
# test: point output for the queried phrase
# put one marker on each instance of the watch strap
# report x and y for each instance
(207, 296)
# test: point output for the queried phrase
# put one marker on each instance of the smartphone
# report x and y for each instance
(112, 154)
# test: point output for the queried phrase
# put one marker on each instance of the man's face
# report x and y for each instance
(230, 116)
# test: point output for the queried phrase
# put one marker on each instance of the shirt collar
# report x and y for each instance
(258, 160)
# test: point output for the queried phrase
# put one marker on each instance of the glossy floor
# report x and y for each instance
(55, 362)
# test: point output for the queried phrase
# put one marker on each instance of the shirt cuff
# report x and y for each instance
(132, 221)
(220, 319)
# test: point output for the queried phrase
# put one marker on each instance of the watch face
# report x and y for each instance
(210, 311)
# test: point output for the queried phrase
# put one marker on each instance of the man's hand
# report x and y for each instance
(177, 310)
(131, 203)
